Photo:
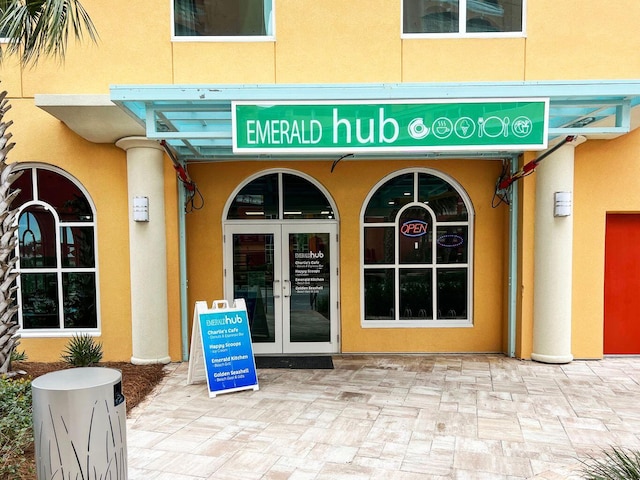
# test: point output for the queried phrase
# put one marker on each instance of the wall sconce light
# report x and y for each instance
(140, 209)
(562, 204)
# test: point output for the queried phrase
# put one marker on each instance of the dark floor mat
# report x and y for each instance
(295, 361)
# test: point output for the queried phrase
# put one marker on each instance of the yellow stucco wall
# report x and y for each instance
(463, 60)
(218, 181)
(102, 170)
(339, 42)
(11, 77)
(526, 212)
(607, 180)
(240, 62)
(134, 47)
(582, 40)
(336, 42)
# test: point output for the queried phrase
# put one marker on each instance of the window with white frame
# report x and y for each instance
(4, 33)
(417, 242)
(57, 282)
(219, 19)
(462, 17)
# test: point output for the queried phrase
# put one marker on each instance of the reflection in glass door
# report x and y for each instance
(285, 274)
(253, 280)
(307, 290)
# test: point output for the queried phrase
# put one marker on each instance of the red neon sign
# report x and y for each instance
(414, 228)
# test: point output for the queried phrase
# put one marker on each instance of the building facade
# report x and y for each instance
(410, 176)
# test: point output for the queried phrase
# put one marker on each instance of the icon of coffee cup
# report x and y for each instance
(442, 127)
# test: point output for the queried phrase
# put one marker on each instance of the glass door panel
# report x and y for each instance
(310, 281)
(254, 275)
(288, 277)
(309, 262)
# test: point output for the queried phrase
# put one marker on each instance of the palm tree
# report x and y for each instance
(34, 29)
(8, 239)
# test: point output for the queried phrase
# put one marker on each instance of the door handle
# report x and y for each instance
(286, 288)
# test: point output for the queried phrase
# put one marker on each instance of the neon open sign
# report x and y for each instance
(414, 228)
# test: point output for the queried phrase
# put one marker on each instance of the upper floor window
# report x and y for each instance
(462, 17)
(57, 285)
(4, 35)
(222, 19)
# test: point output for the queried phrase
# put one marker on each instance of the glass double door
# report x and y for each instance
(287, 274)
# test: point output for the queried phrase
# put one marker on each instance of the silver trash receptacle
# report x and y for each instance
(79, 424)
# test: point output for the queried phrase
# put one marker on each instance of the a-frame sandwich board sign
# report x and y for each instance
(221, 350)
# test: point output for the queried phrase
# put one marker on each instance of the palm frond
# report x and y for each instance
(36, 28)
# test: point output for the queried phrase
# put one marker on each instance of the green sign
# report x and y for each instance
(389, 126)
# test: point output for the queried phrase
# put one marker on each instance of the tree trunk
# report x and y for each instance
(8, 240)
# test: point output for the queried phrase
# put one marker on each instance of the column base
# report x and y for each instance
(150, 361)
(539, 357)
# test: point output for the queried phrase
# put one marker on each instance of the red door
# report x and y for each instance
(622, 284)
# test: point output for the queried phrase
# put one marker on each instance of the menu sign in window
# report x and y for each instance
(309, 272)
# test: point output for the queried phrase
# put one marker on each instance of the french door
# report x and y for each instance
(287, 274)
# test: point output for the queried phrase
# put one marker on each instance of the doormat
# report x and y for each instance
(295, 361)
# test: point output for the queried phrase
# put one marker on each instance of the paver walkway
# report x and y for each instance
(391, 417)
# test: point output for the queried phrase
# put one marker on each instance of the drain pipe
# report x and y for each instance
(182, 243)
(513, 264)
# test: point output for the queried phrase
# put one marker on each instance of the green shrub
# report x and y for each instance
(16, 432)
(82, 351)
(17, 356)
(617, 464)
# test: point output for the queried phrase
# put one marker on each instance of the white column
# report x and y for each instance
(553, 253)
(148, 252)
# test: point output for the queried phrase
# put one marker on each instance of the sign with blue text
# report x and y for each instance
(221, 349)
(390, 126)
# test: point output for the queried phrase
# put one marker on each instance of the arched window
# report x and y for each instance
(417, 241)
(57, 285)
(278, 196)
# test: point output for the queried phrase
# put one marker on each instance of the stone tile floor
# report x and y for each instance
(391, 417)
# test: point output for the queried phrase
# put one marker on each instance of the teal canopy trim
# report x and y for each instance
(196, 120)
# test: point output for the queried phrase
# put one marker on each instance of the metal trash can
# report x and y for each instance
(79, 424)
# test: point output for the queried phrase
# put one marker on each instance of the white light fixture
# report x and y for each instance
(140, 209)
(562, 204)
